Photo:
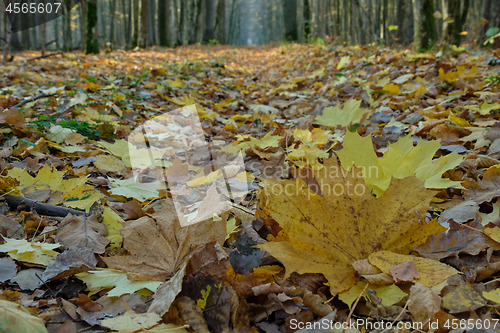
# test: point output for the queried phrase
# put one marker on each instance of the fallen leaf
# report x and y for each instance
(30, 252)
(462, 298)
(432, 272)
(8, 269)
(423, 303)
(400, 160)
(130, 321)
(483, 190)
(404, 272)
(74, 192)
(108, 163)
(328, 233)
(351, 113)
(72, 261)
(131, 188)
(169, 244)
(116, 280)
(82, 231)
(14, 318)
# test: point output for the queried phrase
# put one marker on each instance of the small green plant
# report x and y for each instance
(495, 79)
(44, 122)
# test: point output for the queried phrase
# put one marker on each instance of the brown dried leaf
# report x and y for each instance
(423, 303)
(70, 262)
(456, 241)
(483, 190)
(168, 244)
(82, 231)
(405, 272)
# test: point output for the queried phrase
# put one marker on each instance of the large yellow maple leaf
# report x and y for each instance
(327, 232)
(401, 160)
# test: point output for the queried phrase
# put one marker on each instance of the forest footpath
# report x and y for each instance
(369, 190)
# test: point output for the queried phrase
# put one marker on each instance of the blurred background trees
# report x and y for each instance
(145, 23)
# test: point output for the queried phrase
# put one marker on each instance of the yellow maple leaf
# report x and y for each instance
(401, 160)
(307, 154)
(327, 232)
(268, 141)
(115, 279)
(485, 108)
(113, 223)
(75, 193)
(391, 88)
(30, 252)
(351, 113)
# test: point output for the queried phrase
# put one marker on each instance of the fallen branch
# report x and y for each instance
(31, 99)
(45, 56)
(39, 207)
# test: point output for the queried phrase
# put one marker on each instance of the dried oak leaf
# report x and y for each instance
(485, 189)
(326, 234)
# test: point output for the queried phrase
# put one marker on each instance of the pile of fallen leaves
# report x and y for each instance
(370, 191)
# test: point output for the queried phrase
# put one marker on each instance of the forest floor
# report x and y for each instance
(343, 185)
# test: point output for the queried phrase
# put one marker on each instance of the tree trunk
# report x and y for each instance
(300, 21)
(67, 35)
(417, 24)
(112, 37)
(91, 43)
(144, 24)
(457, 10)
(383, 27)
(220, 23)
(209, 31)
(83, 19)
(172, 32)
(135, 23)
(162, 22)
(6, 34)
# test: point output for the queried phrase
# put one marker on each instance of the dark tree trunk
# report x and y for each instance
(429, 35)
(457, 10)
(67, 35)
(290, 10)
(144, 24)
(83, 23)
(209, 31)
(162, 22)
(112, 37)
(220, 23)
(91, 43)
(135, 23)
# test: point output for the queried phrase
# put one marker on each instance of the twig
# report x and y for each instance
(45, 56)
(40, 207)
(464, 225)
(354, 306)
(31, 99)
